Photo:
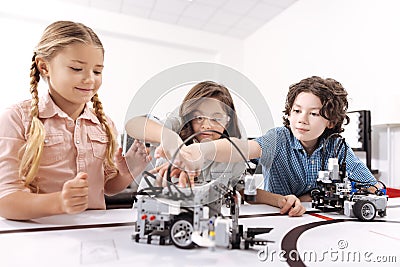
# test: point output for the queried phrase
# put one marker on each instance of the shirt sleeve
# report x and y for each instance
(173, 122)
(12, 138)
(269, 147)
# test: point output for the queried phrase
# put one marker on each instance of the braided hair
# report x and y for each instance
(56, 37)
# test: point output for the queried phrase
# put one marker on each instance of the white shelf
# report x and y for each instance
(388, 127)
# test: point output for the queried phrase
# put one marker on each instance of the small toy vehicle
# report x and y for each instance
(190, 217)
(337, 192)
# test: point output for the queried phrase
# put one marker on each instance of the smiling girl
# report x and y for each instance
(58, 151)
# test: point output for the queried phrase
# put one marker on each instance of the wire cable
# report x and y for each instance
(180, 147)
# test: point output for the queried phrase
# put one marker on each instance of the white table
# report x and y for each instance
(103, 238)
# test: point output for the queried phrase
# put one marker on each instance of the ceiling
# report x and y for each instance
(234, 18)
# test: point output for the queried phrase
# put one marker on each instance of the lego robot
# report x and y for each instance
(190, 217)
(337, 192)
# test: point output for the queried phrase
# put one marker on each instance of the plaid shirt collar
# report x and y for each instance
(296, 145)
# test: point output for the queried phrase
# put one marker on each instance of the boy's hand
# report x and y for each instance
(74, 194)
(191, 159)
(291, 205)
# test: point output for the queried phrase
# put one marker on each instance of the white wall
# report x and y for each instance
(136, 49)
(356, 42)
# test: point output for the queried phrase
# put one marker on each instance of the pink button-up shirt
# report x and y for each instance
(69, 147)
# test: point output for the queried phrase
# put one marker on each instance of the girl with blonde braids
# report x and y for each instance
(58, 154)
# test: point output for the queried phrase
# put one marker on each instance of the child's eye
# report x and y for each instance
(315, 114)
(217, 121)
(221, 119)
(97, 72)
(199, 119)
(296, 110)
(76, 69)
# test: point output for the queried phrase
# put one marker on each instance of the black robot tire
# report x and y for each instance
(181, 232)
(364, 210)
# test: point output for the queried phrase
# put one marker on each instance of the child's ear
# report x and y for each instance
(42, 66)
(330, 125)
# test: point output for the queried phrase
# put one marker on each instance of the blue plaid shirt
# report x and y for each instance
(288, 169)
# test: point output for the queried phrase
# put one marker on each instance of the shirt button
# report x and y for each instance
(77, 141)
(309, 186)
(312, 162)
(46, 141)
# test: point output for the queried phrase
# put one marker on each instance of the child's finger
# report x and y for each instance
(156, 169)
(297, 209)
(159, 152)
(176, 172)
(183, 179)
(80, 180)
(286, 206)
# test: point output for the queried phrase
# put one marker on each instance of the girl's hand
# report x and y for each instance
(161, 173)
(187, 164)
(291, 205)
(135, 160)
(74, 194)
(185, 179)
(176, 172)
